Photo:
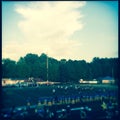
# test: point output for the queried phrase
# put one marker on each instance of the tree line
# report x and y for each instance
(63, 70)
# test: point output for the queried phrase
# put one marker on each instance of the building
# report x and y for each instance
(108, 80)
(88, 81)
(8, 81)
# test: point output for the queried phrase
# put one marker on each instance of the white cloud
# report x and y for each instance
(13, 50)
(47, 27)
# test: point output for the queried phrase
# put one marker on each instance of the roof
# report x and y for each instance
(108, 78)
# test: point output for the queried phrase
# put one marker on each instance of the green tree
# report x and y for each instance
(23, 69)
(35, 66)
(8, 68)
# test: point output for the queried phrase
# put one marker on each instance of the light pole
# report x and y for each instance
(47, 69)
(112, 73)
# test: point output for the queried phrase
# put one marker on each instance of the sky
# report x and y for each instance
(76, 30)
